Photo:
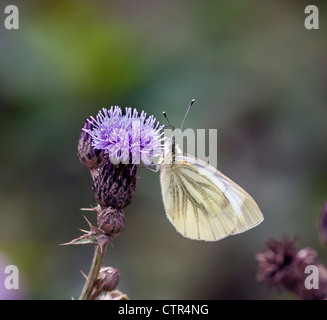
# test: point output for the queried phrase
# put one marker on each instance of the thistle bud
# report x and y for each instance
(114, 185)
(89, 156)
(111, 221)
(108, 279)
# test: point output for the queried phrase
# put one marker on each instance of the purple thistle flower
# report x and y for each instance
(128, 138)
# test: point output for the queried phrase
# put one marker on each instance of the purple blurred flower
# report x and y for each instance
(9, 294)
(128, 138)
(283, 266)
(276, 261)
(323, 225)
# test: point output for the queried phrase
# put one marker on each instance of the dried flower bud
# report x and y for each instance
(111, 221)
(283, 266)
(108, 279)
(323, 226)
(114, 185)
(88, 156)
(275, 262)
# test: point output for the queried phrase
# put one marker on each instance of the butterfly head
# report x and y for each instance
(171, 149)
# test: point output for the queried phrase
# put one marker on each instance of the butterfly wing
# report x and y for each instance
(194, 204)
(248, 212)
(204, 204)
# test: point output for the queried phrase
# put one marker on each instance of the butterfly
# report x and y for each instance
(200, 201)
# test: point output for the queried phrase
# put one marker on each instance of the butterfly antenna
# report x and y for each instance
(165, 115)
(188, 110)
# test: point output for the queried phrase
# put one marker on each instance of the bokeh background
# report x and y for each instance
(258, 76)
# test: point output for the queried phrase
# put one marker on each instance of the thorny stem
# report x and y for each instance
(93, 274)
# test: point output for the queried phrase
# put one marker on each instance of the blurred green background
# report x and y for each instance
(257, 75)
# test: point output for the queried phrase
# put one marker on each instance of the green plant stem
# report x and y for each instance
(93, 274)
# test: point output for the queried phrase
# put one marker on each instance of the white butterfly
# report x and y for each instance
(200, 201)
